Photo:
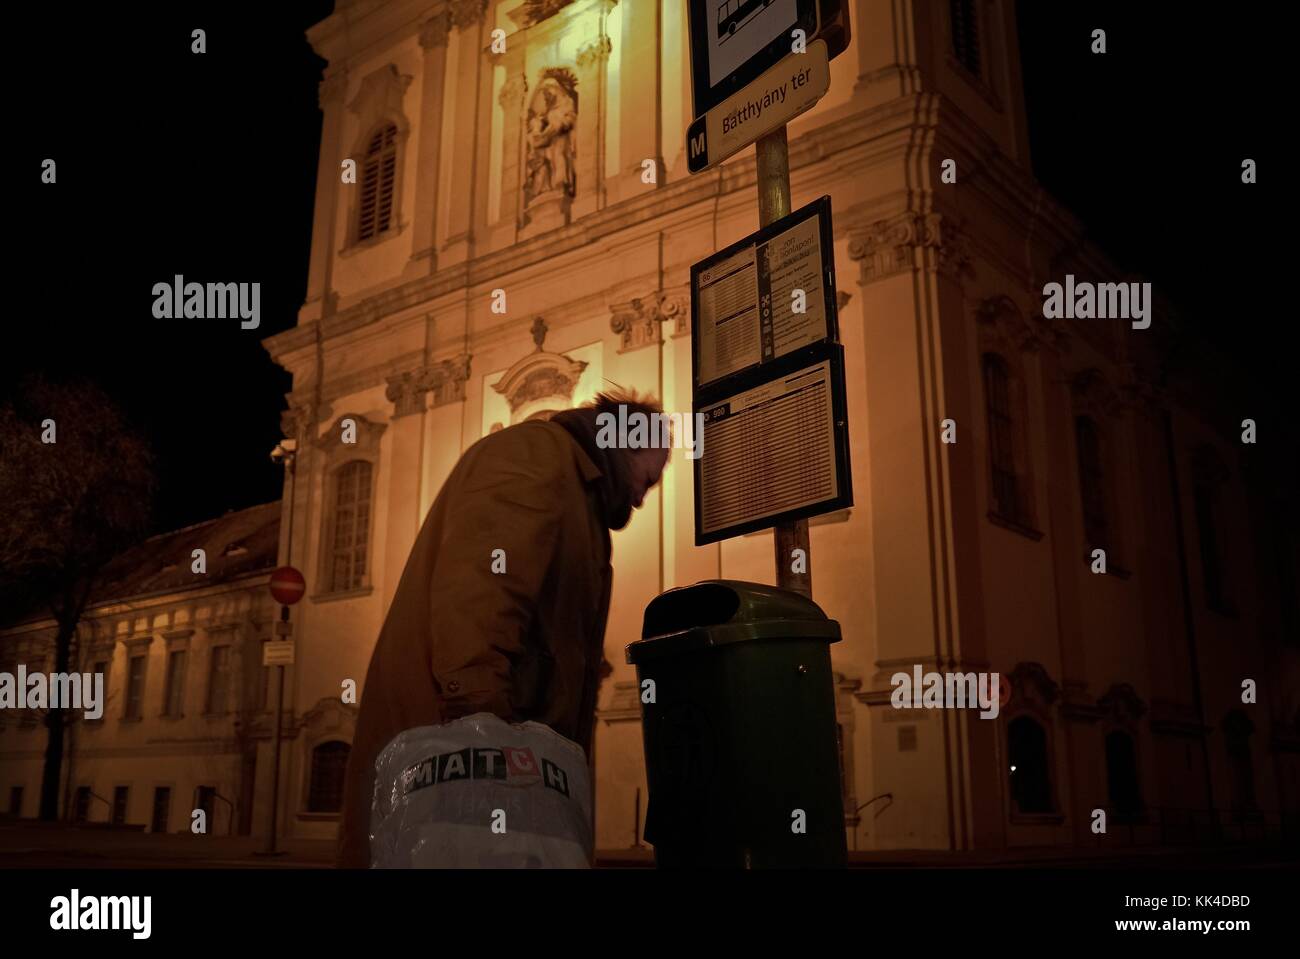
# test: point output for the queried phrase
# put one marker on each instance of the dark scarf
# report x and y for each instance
(615, 501)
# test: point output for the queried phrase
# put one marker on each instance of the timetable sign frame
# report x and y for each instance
(745, 297)
(776, 449)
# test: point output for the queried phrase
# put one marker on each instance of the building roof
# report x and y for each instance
(237, 544)
(240, 543)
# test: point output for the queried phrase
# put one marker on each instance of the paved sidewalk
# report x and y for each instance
(25, 844)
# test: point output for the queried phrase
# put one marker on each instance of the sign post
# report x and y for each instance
(756, 65)
(773, 153)
(287, 586)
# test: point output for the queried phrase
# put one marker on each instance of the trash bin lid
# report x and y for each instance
(716, 612)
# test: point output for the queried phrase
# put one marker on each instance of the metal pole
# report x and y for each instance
(279, 686)
(773, 154)
(275, 776)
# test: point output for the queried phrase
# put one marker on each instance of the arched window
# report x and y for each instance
(1031, 782)
(1122, 774)
(1092, 482)
(329, 761)
(378, 181)
(1008, 496)
(351, 532)
(965, 34)
(1210, 475)
(1237, 730)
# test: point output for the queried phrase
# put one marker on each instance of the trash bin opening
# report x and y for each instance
(705, 604)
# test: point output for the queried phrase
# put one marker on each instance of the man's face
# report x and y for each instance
(647, 466)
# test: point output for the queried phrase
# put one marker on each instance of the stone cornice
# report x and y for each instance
(853, 138)
(361, 24)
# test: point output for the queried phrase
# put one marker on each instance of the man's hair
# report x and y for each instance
(610, 400)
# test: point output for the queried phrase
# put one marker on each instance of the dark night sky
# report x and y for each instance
(205, 166)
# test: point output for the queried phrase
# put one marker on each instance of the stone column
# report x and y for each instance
(590, 62)
(446, 381)
(927, 608)
(511, 101)
(467, 17)
(328, 177)
(639, 106)
(406, 392)
(433, 38)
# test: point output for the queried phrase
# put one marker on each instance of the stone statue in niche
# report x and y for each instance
(552, 116)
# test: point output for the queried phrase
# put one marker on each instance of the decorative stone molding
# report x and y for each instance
(331, 88)
(326, 720)
(1137, 389)
(1004, 328)
(434, 32)
(1122, 705)
(512, 92)
(405, 394)
(639, 321)
(539, 376)
(888, 246)
(1093, 394)
(883, 248)
(299, 418)
(535, 11)
(951, 245)
(368, 434)
(446, 379)
(381, 96)
(593, 52)
(467, 13)
(1031, 681)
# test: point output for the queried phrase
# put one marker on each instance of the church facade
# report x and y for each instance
(504, 225)
(520, 233)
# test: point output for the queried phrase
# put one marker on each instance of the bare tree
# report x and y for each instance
(76, 488)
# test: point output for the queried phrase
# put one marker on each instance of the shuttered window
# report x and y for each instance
(378, 181)
(966, 34)
(1002, 438)
(1092, 482)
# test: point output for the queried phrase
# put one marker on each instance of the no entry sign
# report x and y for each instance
(287, 585)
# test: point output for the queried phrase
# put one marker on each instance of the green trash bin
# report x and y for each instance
(738, 716)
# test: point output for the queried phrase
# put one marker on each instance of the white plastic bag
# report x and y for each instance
(481, 793)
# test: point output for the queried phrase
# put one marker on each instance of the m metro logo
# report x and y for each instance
(697, 154)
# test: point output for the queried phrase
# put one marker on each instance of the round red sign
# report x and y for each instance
(287, 585)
